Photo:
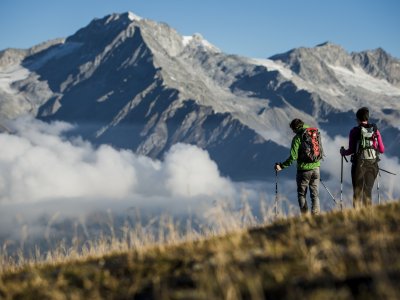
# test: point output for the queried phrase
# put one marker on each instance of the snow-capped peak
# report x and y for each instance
(197, 40)
(133, 17)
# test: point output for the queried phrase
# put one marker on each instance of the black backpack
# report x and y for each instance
(311, 147)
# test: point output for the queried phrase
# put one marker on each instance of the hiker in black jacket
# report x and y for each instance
(365, 144)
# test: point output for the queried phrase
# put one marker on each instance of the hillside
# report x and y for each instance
(349, 255)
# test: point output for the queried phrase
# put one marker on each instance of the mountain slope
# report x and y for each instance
(138, 84)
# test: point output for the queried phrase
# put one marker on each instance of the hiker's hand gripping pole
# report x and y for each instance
(341, 153)
(278, 167)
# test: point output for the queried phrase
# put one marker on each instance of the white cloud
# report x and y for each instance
(191, 172)
(38, 164)
(43, 174)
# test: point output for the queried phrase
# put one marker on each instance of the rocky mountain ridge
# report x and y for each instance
(138, 84)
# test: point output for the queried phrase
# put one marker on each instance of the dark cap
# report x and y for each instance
(362, 114)
(296, 124)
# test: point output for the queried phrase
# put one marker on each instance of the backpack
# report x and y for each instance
(365, 149)
(311, 147)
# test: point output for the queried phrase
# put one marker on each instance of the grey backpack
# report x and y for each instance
(365, 149)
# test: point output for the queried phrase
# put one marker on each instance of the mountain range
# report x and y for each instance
(138, 84)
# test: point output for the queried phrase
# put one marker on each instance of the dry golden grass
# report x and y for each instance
(353, 254)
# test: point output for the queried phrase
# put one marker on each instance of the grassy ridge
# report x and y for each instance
(349, 255)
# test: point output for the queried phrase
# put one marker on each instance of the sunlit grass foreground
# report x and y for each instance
(354, 254)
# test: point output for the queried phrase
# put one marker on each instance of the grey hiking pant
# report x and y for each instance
(304, 180)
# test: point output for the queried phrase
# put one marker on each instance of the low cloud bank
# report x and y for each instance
(38, 164)
(46, 179)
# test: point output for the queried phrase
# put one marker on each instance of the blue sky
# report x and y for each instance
(253, 28)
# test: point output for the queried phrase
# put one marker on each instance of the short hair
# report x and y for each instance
(296, 124)
(362, 114)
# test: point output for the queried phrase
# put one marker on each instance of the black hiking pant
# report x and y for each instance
(304, 180)
(363, 175)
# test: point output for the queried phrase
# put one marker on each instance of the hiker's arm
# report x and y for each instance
(352, 144)
(294, 149)
(380, 146)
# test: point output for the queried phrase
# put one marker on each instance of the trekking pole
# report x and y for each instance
(333, 198)
(341, 183)
(276, 194)
(387, 171)
(377, 187)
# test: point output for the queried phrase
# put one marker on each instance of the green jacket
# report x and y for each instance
(294, 154)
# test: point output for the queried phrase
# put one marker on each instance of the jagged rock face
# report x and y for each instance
(138, 84)
(312, 64)
(379, 64)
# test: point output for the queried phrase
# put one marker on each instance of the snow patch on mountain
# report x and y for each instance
(299, 82)
(134, 17)
(274, 66)
(11, 74)
(359, 78)
(197, 40)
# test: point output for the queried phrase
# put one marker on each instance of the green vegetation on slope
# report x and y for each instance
(349, 255)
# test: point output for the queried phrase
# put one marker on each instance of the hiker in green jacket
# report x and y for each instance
(308, 174)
